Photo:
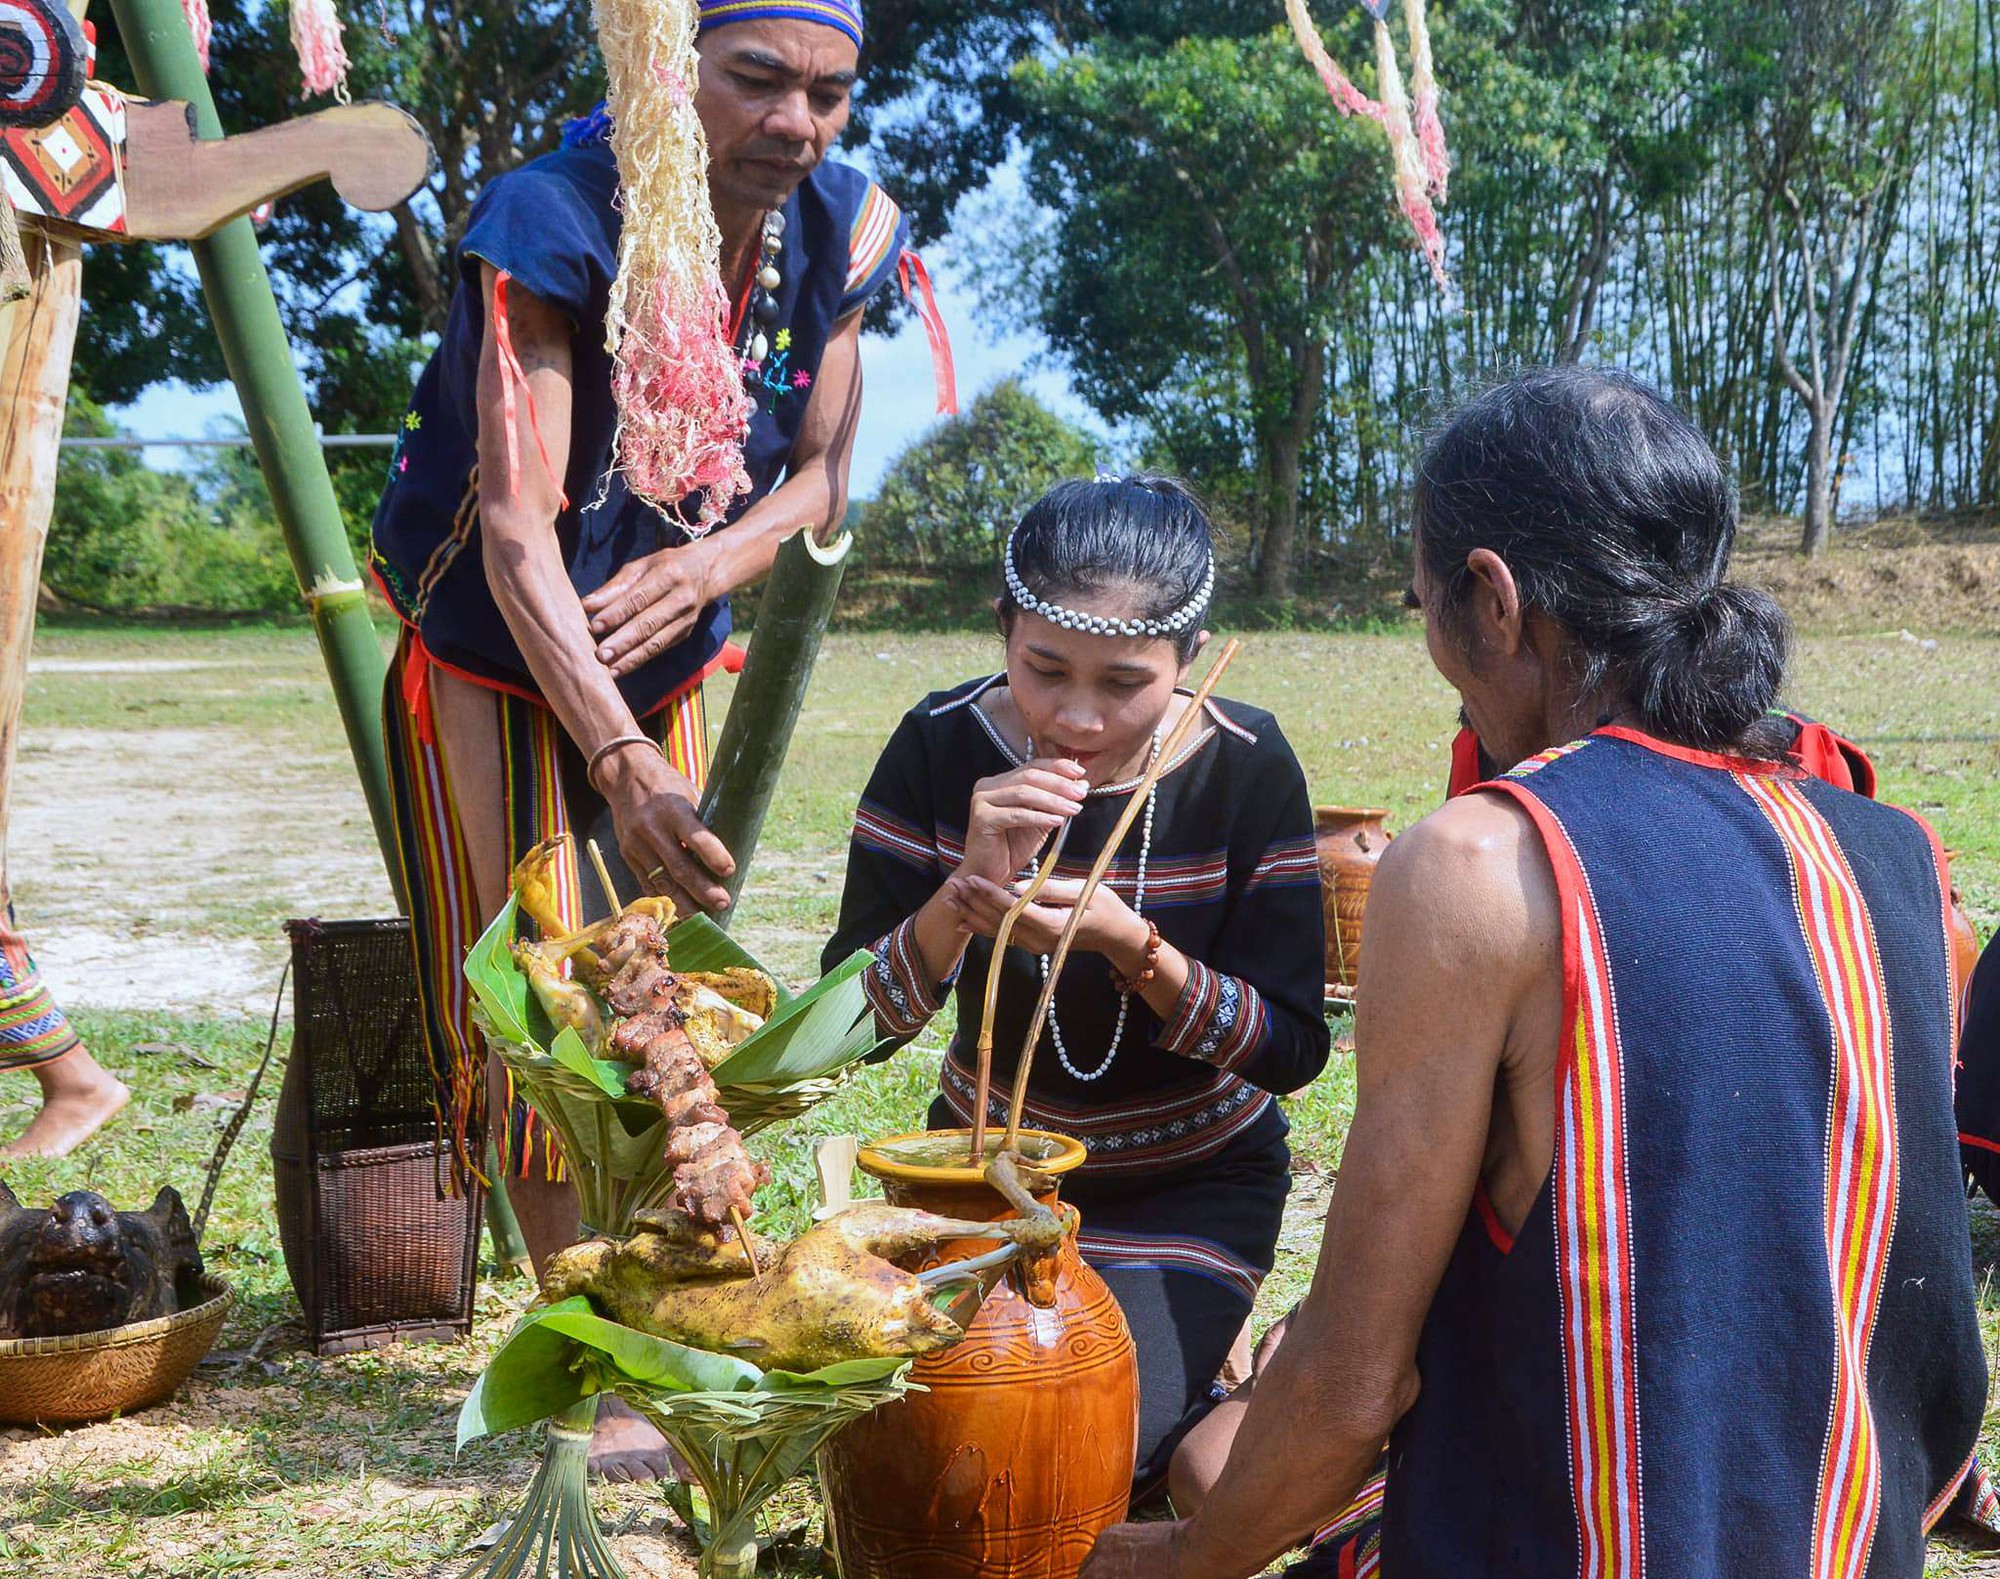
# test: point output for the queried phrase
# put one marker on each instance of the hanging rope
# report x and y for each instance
(196, 12)
(322, 55)
(682, 409)
(1419, 160)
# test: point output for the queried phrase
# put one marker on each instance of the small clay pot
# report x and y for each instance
(1021, 1452)
(1964, 935)
(1350, 840)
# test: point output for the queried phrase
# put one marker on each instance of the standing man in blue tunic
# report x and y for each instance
(556, 629)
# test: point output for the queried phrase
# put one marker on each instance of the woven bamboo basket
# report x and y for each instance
(93, 1375)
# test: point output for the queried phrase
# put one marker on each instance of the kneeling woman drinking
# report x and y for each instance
(1195, 988)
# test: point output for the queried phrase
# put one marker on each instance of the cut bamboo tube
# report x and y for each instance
(983, 1084)
(604, 877)
(237, 287)
(1168, 750)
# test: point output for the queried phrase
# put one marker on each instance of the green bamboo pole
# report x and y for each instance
(259, 359)
(791, 619)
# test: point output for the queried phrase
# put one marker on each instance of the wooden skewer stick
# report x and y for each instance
(984, 1084)
(1168, 748)
(743, 1238)
(604, 876)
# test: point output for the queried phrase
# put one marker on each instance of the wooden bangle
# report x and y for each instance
(1149, 970)
(615, 743)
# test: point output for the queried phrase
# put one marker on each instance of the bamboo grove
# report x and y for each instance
(1787, 215)
(1675, 255)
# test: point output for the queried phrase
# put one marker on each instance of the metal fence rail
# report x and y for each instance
(331, 441)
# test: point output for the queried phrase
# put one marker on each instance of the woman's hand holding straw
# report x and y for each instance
(984, 1084)
(1169, 749)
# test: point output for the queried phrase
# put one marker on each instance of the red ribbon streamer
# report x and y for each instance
(514, 377)
(417, 689)
(916, 282)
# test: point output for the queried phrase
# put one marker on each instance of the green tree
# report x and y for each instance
(114, 518)
(1212, 209)
(492, 87)
(952, 495)
(1835, 94)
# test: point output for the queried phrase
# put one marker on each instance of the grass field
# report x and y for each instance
(181, 793)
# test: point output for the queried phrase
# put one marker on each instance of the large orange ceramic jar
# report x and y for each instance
(1021, 1452)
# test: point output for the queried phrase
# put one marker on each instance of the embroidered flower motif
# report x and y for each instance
(752, 367)
(802, 379)
(412, 421)
(784, 340)
(403, 463)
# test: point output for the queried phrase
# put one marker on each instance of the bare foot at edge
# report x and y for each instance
(624, 1447)
(73, 1109)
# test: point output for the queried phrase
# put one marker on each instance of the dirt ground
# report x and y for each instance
(127, 843)
(1925, 576)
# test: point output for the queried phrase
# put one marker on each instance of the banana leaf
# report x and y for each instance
(824, 1028)
(843, 1373)
(533, 1377)
(608, 1075)
(502, 991)
(561, 1353)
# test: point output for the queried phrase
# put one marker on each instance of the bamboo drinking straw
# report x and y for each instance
(983, 1086)
(1175, 739)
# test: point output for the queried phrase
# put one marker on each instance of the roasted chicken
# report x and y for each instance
(832, 1294)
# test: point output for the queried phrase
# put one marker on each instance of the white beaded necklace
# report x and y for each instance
(1138, 905)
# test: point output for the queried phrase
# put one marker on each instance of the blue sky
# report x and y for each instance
(898, 401)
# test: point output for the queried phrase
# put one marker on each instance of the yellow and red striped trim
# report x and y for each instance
(1594, 1260)
(1862, 1162)
(871, 236)
(1593, 1221)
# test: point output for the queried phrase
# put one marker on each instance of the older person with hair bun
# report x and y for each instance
(1649, 1252)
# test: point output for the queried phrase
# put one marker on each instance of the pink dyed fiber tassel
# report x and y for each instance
(1419, 162)
(680, 390)
(316, 36)
(1424, 102)
(196, 12)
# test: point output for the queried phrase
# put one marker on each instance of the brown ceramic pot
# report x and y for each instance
(1350, 840)
(1964, 935)
(1021, 1452)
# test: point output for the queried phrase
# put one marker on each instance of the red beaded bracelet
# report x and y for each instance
(1149, 970)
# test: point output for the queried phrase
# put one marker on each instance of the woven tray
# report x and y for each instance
(93, 1375)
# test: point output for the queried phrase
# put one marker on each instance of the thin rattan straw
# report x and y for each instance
(1168, 750)
(242, 1114)
(983, 1084)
